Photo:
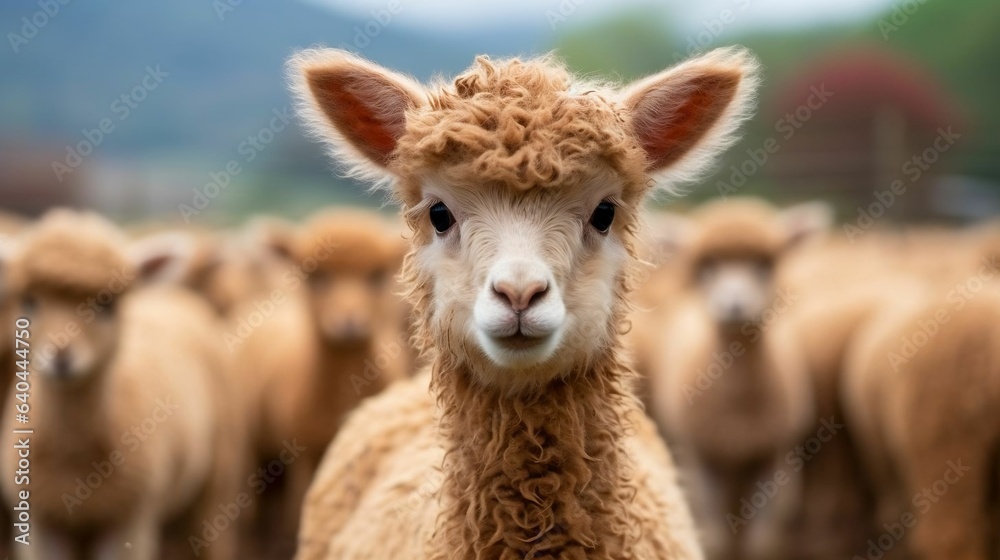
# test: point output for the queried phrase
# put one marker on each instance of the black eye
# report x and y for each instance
(602, 217)
(441, 217)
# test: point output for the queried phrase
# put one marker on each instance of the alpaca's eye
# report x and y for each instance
(602, 217)
(441, 217)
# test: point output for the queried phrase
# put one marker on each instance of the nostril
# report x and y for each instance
(539, 294)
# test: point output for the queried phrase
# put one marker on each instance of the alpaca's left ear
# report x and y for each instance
(685, 116)
(805, 220)
(356, 107)
(163, 257)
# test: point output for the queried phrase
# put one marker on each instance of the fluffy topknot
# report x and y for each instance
(521, 123)
(738, 227)
(343, 239)
(77, 253)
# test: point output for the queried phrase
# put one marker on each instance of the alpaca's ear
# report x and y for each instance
(670, 234)
(685, 116)
(163, 257)
(806, 220)
(271, 238)
(358, 108)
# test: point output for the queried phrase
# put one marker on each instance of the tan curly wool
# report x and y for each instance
(519, 123)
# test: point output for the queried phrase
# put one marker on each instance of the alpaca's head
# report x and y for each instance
(67, 274)
(522, 186)
(731, 248)
(347, 260)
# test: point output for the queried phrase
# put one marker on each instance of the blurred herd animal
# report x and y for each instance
(727, 382)
(132, 427)
(331, 334)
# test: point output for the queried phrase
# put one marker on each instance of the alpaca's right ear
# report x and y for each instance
(356, 107)
(271, 238)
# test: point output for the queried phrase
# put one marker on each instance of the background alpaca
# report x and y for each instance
(331, 335)
(132, 384)
(522, 189)
(840, 285)
(727, 384)
(929, 351)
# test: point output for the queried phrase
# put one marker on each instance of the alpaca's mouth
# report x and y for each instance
(519, 341)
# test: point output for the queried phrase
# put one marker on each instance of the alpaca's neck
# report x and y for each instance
(535, 476)
(747, 346)
(354, 371)
(81, 409)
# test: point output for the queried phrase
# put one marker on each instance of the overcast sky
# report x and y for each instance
(686, 14)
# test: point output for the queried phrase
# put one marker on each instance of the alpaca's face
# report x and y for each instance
(522, 229)
(350, 303)
(524, 281)
(74, 336)
(736, 290)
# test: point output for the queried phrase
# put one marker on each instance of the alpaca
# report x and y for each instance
(10, 226)
(915, 415)
(920, 392)
(221, 266)
(331, 336)
(522, 187)
(728, 386)
(840, 285)
(132, 428)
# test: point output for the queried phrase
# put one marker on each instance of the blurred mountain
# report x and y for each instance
(222, 60)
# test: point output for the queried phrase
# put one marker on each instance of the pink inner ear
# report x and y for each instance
(668, 125)
(154, 265)
(369, 112)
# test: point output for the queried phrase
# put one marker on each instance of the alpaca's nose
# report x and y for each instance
(520, 295)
